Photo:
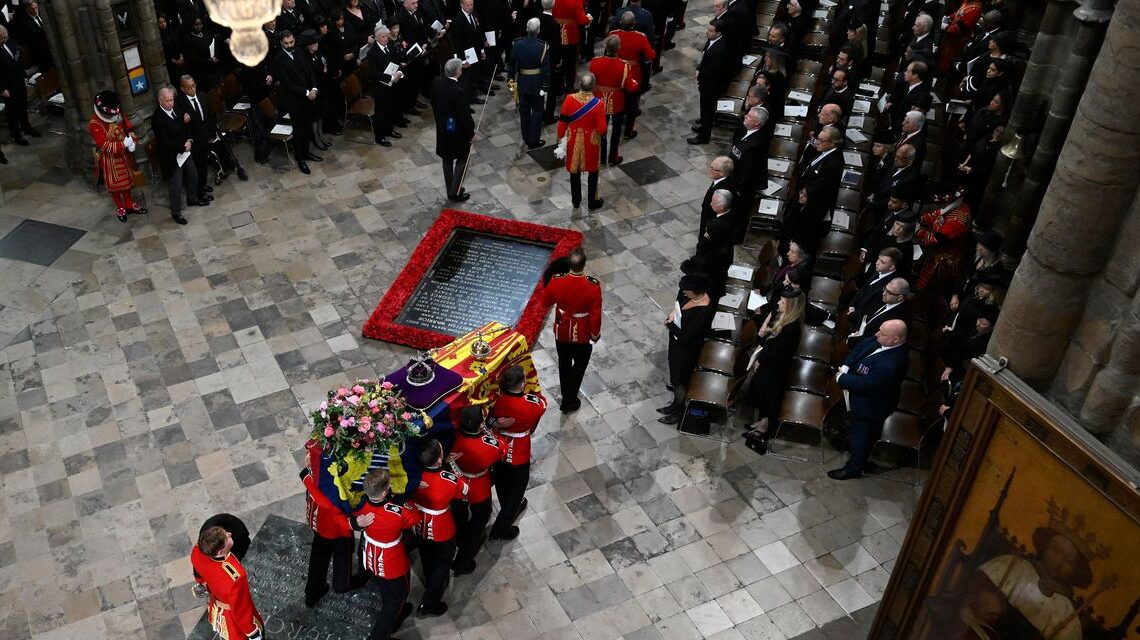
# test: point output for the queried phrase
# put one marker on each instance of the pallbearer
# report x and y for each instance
(577, 324)
(332, 540)
(516, 416)
(615, 81)
(475, 450)
(383, 524)
(437, 490)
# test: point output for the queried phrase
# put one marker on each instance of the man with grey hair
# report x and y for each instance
(580, 130)
(380, 54)
(820, 171)
(172, 137)
(529, 70)
(714, 246)
(721, 172)
(749, 153)
(454, 128)
(914, 134)
(922, 45)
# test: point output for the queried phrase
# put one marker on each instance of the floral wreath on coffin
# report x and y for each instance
(368, 416)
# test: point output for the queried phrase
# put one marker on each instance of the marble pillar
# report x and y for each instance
(1081, 214)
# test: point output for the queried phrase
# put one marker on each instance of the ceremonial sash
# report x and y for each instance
(583, 110)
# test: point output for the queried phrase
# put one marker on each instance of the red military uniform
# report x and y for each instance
(384, 554)
(585, 131)
(635, 48)
(942, 235)
(434, 501)
(323, 517)
(479, 453)
(570, 15)
(615, 78)
(578, 316)
(230, 610)
(112, 160)
(527, 410)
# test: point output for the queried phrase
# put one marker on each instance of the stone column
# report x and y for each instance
(105, 18)
(75, 81)
(1081, 214)
(150, 45)
(1092, 21)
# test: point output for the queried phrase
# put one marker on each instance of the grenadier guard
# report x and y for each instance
(230, 609)
(115, 140)
(580, 129)
(438, 489)
(475, 450)
(332, 540)
(516, 415)
(635, 49)
(577, 324)
(571, 16)
(383, 524)
(614, 82)
(529, 70)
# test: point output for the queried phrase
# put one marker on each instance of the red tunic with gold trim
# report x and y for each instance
(578, 316)
(323, 517)
(614, 79)
(434, 501)
(112, 160)
(958, 31)
(570, 15)
(635, 48)
(585, 131)
(527, 410)
(479, 453)
(942, 236)
(383, 546)
(230, 610)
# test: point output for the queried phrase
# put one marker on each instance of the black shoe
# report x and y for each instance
(208, 189)
(32, 131)
(511, 533)
(597, 204)
(303, 167)
(570, 407)
(311, 601)
(383, 143)
(431, 613)
(177, 215)
(759, 445)
(463, 568)
(616, 161)
(843, 473)
(696, 122)
(205, 197)
(197, 203)
(668, 409)
(630, 135)
(312, 157)
(697, 140)
(395, 135)
(538, 145)
(696, 128)
(320, 146)
(121, 214)
(23, 142)
(460, 197)
(3, 160)
(672, 418)
(241, 174)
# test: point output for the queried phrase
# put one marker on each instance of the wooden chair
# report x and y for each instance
(269, 110)
(908, 431)
(46, 88)
(824, 293)
(229, 122)
(231, 89)
(356, 103)
(809, 67)
(707, 401)
(815, 344)
(916, 368)
(805, 410)
(813, 377)
(912, 396)
(718, 357)
(835, 250)
(784, 148)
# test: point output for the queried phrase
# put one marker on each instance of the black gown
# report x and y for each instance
(774, 364)
(685, 343)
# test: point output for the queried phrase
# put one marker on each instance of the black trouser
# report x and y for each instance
(302, 118)
(708, 113)
(200, 166)
(617, 124)
(572, 360)
(384, 115)
(189, 173)
(436, 558)
(632, 106)
(393, 595)
(510, 486)
(591, 187)
(530, 117)
(862, 434)
(471, 80)
(568, 55)
(16, 111)
(339, 551)
(470, 521)
(556, 90)
(453, 169)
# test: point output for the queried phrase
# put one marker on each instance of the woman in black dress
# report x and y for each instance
(687, 324)
(771, 363)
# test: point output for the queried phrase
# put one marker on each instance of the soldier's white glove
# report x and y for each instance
(560, 150)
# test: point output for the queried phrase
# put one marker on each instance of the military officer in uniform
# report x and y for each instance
(615, 82)
(529, 69)
(516, 414)
(577, 324)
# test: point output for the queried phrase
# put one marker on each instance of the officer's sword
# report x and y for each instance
(478, 123)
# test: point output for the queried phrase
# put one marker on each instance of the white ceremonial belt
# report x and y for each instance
(580, 315)
(515, 434)
(383, 545)
(431, 512)
(473, 475)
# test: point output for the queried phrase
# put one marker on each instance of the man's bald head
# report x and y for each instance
(892, 333)
(830, 113)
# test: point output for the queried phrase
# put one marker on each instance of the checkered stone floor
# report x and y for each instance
(155, 374)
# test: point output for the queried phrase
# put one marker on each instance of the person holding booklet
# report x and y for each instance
(687, 325)
(385, 73)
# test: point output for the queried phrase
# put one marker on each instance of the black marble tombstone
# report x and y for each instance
(476, 278)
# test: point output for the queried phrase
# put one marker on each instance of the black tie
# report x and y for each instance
(197, 108)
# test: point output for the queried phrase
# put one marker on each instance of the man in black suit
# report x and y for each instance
(172, 137)
(869, 297)
(914, 134)
(298, 95)
(899, 179)
(979, 44)
(291, 18)
(467, 33)
(188, 11)
(715, 70)
(818, 185)
(872, 377)
(415, 30)
(749, 153)
(893, 307)
(841, 93)
(387, 100)
(192, 108)
(28, 28)
(730, 26)
(454, 128)
(14, 91)
(911, 93)
(715, 244)
(921, 45)
(721, 171)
